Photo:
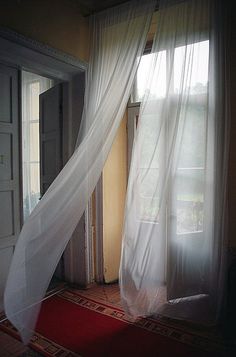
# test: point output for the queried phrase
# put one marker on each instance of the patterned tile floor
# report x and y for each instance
(109, 293)
(10, 347)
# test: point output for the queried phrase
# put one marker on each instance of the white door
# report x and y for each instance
(185, 226)
(9, 170)
(50, 119)
(50, 123)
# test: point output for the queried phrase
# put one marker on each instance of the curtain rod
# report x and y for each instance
(121, 3)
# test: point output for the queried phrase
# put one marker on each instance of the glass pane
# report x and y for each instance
(151, 159)
(34, 180)
(150, 149)
(149, 195)
(31, 187)
(191, 68)
(156, 83)
(193, 145)
(189, 190)
(34, 100)
(34, 142)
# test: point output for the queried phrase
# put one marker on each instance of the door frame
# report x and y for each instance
(99, 260)
(22, 53)
(98, 254)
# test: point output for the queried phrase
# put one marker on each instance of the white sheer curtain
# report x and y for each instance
(118, 38)
(174, 232)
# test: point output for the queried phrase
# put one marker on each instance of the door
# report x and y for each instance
(9, 170)
(184, 227)
(50, 119)
(50, 124)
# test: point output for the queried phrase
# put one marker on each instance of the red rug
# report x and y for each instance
(73, 325)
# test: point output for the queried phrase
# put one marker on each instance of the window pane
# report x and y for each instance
(151, 160)
(150, 151)
(31, 187)
(34, 179)
(157, 87)
(190, 199)
(34, 142)
(191, 68)
(34, 89)
(193, 146)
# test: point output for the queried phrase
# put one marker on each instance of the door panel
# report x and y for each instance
(6, 213)
(50, 123)
(6, 156)
(9, 169)
(50, 117)
(5, 96)
(49, 151)
(5, 260)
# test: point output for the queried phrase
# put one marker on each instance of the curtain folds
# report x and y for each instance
(174, 240)
(118, 39)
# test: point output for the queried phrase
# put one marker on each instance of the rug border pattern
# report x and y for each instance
(149, 324)
(51, 349)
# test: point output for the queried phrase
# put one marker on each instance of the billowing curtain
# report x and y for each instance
(174, 236)
(118, 39)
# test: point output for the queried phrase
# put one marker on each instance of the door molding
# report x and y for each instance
(99, 276)
(26, 53)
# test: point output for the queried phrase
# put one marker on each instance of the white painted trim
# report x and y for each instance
(8, 243)
(29, 54)
(37, 46)
(99, 232)
(89, 245)
(133, 112)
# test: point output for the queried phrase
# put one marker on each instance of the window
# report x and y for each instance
(190, 175)
(187, 184)
(32, 86)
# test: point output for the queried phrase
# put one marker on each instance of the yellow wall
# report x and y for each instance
(114, 191)
(56, 23)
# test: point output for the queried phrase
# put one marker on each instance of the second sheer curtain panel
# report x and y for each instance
(172, 231)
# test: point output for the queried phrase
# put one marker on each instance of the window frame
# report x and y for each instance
(133, 113)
